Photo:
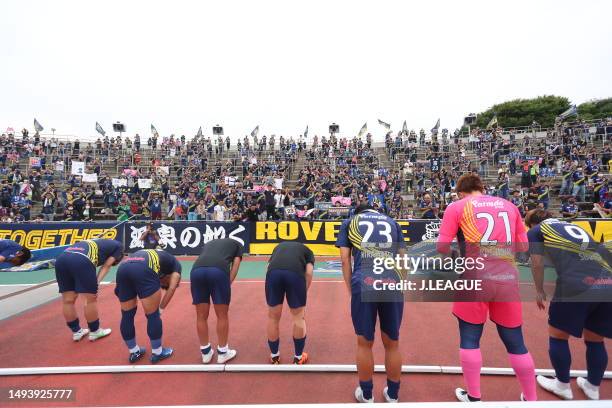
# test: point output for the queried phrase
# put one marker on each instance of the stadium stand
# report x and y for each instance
(410, 175)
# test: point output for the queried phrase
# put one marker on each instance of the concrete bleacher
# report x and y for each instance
(114, 165)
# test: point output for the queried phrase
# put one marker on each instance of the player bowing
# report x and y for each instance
(12, 252)
(369, 233)
(289, 275)
(75, 272)
(484, 223)
(142, 275)
(581, 304)
(211, 278)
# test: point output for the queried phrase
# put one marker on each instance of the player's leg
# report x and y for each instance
(128, 329)
(275, 295)
(390, 314)
(564, 319)
(365, 369)
(295, 289)
(299, 335)
(155, 330)
(520, 360)
(597, 361)
(274, 316)
(507, 314)
(86, 284)
(363, 315)
(598, 325)
(471, 317)
(471, 359)
(66, 285)
(70, 315)
(202, 312)
(221, 294)
(200, 294)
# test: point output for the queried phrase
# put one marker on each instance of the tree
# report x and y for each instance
(595, 109)
(522, 112)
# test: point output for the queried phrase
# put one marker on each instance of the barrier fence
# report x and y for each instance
(258, 238)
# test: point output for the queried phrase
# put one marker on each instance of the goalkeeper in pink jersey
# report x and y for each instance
(488, 225)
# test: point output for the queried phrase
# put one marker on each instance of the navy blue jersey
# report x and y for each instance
(160, 262)
(580, 262)
(9, 249)
(98, 250)
(370, 235)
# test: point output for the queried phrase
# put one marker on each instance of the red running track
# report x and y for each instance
(428, 337)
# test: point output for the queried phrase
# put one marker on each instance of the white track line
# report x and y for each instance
(483, 404)
(259, 368)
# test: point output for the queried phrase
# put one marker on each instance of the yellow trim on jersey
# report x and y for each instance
(93, 251)
(468, 224)
(154, 263)
(354, 234)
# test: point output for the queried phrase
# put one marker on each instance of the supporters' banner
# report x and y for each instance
(59, 165)
(531, 159)
(259, 188)
(290, 210)
(186, 238)
(165, 170)
(52, 234)
(278, 183)
(300, 202)
(90, 178)
(341, 201)
(130, 172)
(145, 183)
(78, 168)
(255, 131)
(35, 162)
(230, 180)
(117, 182)
(338, 211)
(322, 205)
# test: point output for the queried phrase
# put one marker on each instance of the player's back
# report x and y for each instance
(580, 262)
(371, 232)
(483, 219)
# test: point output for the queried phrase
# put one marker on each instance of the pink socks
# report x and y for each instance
(525, 372)
(471, 363)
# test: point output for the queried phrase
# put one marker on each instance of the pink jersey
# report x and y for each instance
(481, 219)
(491, 228)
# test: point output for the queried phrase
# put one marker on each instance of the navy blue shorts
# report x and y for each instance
(135, 279)
(281, 283)
(210, 282)
(75, 273)
(364, 316)
(574, 317)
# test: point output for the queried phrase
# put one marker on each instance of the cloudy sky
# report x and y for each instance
(285, 64)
